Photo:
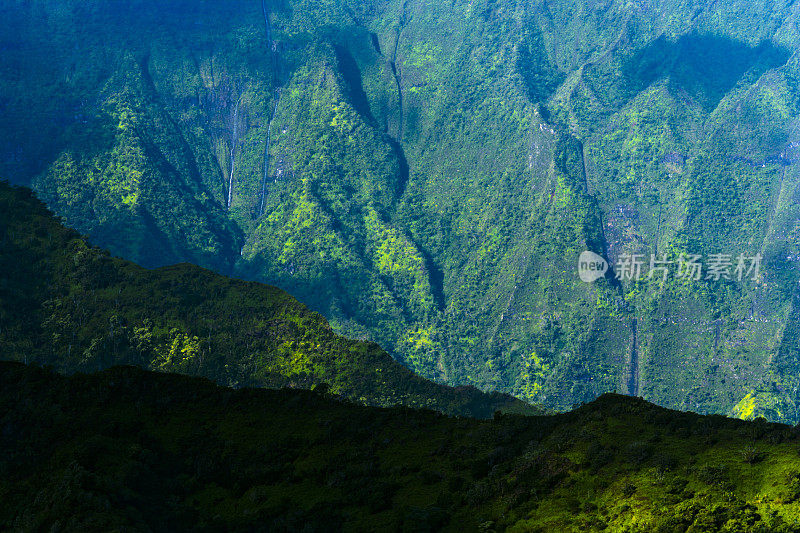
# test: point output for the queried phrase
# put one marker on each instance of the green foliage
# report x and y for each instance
(434, 170)
(128, 449)
(72, 306)
(541, 78)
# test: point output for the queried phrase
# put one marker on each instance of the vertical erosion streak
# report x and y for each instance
(274, 65)
(234, 142)
(632, 381)
(397, 73)
(266, 153)
(629, 375)
(268, 35)
(266, 21)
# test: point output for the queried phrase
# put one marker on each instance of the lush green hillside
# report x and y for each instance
(136, 451)
(426, 173)
(73, 307)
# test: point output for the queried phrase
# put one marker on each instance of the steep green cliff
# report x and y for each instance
(425, 174)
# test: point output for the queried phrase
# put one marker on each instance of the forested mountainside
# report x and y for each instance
(73, 307)
(426, 173)
(131, 450)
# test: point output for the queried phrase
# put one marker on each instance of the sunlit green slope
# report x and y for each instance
(126, 449)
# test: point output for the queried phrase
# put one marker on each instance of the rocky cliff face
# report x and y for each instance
(426, 174)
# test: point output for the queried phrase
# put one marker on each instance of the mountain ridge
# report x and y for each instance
(143, 451)
(66, 304)
(434, 170)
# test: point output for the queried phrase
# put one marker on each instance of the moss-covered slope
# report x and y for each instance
(74, 307)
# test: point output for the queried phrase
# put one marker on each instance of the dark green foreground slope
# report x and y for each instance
(136, 451)
(66, 304)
